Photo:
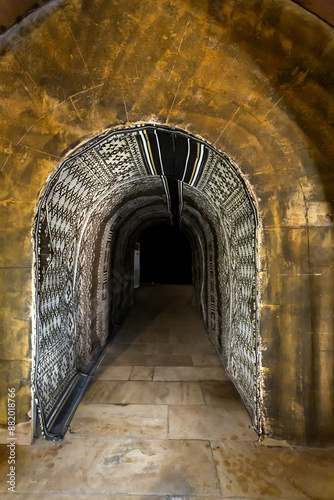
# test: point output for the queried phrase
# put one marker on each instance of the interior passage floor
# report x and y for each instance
(161, 419)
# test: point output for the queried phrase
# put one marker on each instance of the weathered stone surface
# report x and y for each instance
(143, 392)
(148, 359)
(279, 474)
(159, 466)
(120, 421)
(189, 373)
(219, 423)
(113, 373)
(16, 374)
(142, 373)
(255, 80)
(132, 449)
(15, 233)
(14, 313)
(13, 10)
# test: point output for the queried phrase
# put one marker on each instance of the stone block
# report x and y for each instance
(321, 247)
(25, 174)
(15, 374)
(16, 220)
(322, 300)
(290, 248)
(286, 360)
(144, 392)
(279, 473)
(160, 467)
(229, 422)
(114, 421)
(15, 313)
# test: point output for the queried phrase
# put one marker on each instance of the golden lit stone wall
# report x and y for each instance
(255, 80)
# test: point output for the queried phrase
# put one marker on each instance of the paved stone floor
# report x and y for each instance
(162, 420)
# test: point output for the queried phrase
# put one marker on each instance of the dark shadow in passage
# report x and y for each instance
(165, 256)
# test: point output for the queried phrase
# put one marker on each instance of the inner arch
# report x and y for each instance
(94, 209)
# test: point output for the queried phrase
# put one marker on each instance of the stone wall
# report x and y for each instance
(12, 11)
(254, 79)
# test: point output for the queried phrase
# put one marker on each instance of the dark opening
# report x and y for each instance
(165, 256)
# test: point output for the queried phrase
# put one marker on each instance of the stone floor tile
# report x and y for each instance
(187, 337)
(108, 420)
(143, 336)
(149, 348)
(117, 448)
(146, 359)
(203, 350)
(136, 338)
(212, 423)
(218, 393)
(26, 458)
(82, 496)
(203, 498)
(250, 470)
(128, 467)
(157, 335)
(189, 373)
(203, 360)
(142, 373)
(135, 392)
(105, 372)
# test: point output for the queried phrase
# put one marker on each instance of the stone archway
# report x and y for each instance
(98, 201)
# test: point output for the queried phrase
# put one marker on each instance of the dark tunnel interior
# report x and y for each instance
(165, 255)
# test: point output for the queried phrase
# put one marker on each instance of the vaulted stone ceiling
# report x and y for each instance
(255, 79)
(13, 11)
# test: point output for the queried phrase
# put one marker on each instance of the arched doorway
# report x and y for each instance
(93, 211)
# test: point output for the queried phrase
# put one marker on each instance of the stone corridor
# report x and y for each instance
(161, 419)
